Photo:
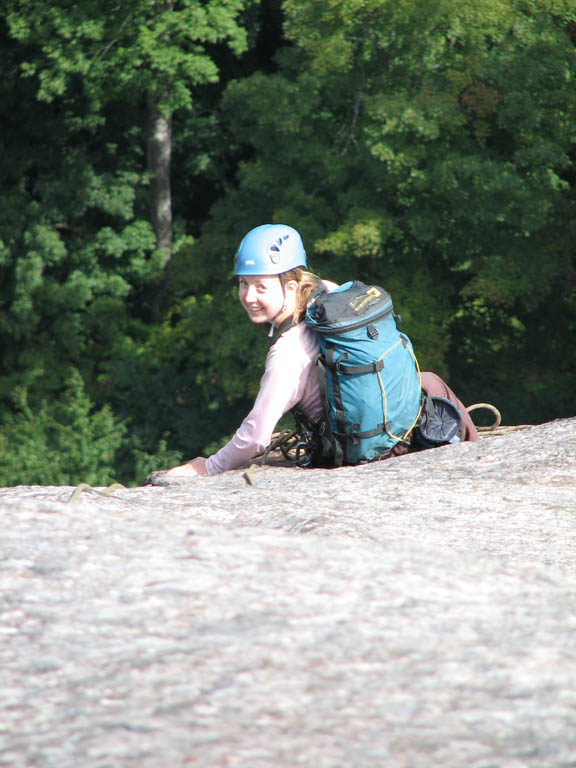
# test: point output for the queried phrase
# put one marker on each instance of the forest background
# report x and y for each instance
(429, 147)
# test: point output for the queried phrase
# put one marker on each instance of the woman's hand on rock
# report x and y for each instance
(192, 468)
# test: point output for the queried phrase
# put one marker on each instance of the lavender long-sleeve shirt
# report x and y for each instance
(290, 378)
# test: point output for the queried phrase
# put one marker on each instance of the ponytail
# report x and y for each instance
(308, 283)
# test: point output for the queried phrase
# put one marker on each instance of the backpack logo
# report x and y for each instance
(358, 303)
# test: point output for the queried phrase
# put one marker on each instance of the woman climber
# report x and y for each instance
(276, 288)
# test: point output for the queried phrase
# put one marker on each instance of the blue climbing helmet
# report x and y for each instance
(270, 249)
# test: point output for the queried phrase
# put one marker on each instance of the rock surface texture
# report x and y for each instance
(414, 613)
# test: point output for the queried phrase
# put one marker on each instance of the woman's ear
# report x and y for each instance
(291, 286)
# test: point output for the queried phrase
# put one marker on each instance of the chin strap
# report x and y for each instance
(282, 309)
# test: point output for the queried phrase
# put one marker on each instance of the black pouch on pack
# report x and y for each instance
(439, 423)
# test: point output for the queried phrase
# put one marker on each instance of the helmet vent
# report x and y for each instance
(274, 249)
(274, 254)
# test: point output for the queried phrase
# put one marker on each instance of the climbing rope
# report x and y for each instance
(284, 441)
(496, 428)
(85, 487)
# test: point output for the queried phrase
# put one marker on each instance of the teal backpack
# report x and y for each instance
(369, 378)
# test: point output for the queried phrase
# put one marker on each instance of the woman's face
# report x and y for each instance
(263, 298)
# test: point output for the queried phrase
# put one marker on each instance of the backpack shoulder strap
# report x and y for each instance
(282, 328)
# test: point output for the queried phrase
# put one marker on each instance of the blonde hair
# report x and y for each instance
(308, 282)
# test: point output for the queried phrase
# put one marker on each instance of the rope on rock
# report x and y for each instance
(86, 487)
(496, 428)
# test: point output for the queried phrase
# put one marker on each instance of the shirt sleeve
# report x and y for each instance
(287, 366)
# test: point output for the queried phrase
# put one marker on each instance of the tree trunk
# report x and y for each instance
(159, 153)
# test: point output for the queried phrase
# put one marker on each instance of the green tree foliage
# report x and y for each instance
(61, 443)
(134, 52)
(430, 148)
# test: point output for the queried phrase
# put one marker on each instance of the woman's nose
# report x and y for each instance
(250, 293)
